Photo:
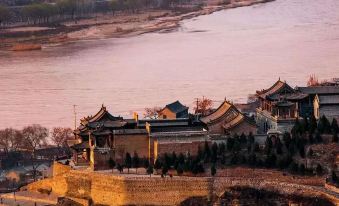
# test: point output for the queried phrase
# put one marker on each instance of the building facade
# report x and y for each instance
(279, 107)
(103, 137)
(326, 105)
(228, 120)
(175, 110)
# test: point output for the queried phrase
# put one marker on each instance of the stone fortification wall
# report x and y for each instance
(59, 169)
(107, 189)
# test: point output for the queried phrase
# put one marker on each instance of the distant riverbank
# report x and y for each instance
(107, 26)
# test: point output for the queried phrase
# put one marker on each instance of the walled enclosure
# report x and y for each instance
(108, 189)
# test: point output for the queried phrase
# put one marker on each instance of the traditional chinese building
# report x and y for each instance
(103, 137)
(280, 106)
(175, 110)
(324, 91)
(228, 120)
(326, 105)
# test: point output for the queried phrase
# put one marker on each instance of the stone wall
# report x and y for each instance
(107, 189)
(244, 127)
(179, 147)
(131, 144)
(59, 169)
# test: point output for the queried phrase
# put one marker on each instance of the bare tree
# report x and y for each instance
(60, 135)
(10, 139)
(34, 136)
(312, 81)
(151, 112)
(203, 105)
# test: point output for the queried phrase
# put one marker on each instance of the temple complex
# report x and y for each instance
(102, 137)
(281, 105)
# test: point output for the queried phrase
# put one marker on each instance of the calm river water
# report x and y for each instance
(230, 53)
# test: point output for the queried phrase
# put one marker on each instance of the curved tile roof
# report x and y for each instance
(218, 113)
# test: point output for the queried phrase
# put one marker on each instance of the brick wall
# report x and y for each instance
(131, 144)
(182, 147)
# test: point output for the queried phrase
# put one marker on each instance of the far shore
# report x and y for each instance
(106, 26)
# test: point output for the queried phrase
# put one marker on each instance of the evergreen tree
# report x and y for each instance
(234, 159)
(236, 146)
(150, 170)
(268, 145)
(311, 138)
(293, 167)
(334, 126)
(324, 125)
(291, 150)
(120, 168)
(297, 128)
(305, 125)
(302, 152)
(250, 138)
(200, 154)
(302, 169)
(278, 146)
(243, 138)
(136, 162)
(213, 170)
(223, 159)
(271, 160)
(214, 152)
(222, 148)
(256, 147)
(167, 160)
(164, 169)
(174, 158)
(287, 139)
(230, 144)
(281, 163)
(334, 177)
(181, 158)
(312, 124)
(146, 163)
(252, 159)
(335, 138)
(318, 137)
(111, 164)
(128, 161)
(310, 152)
(207, 150)
(319, 170)
(180, 169)
(157, 164)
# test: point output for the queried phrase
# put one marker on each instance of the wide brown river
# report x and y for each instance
(230, 53)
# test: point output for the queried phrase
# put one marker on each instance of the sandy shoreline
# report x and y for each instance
(107, 26)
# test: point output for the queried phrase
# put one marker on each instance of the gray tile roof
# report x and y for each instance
(176, 107)
(319, 90)
(332, 99)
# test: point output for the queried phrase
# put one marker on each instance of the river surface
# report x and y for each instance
(230, 53)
